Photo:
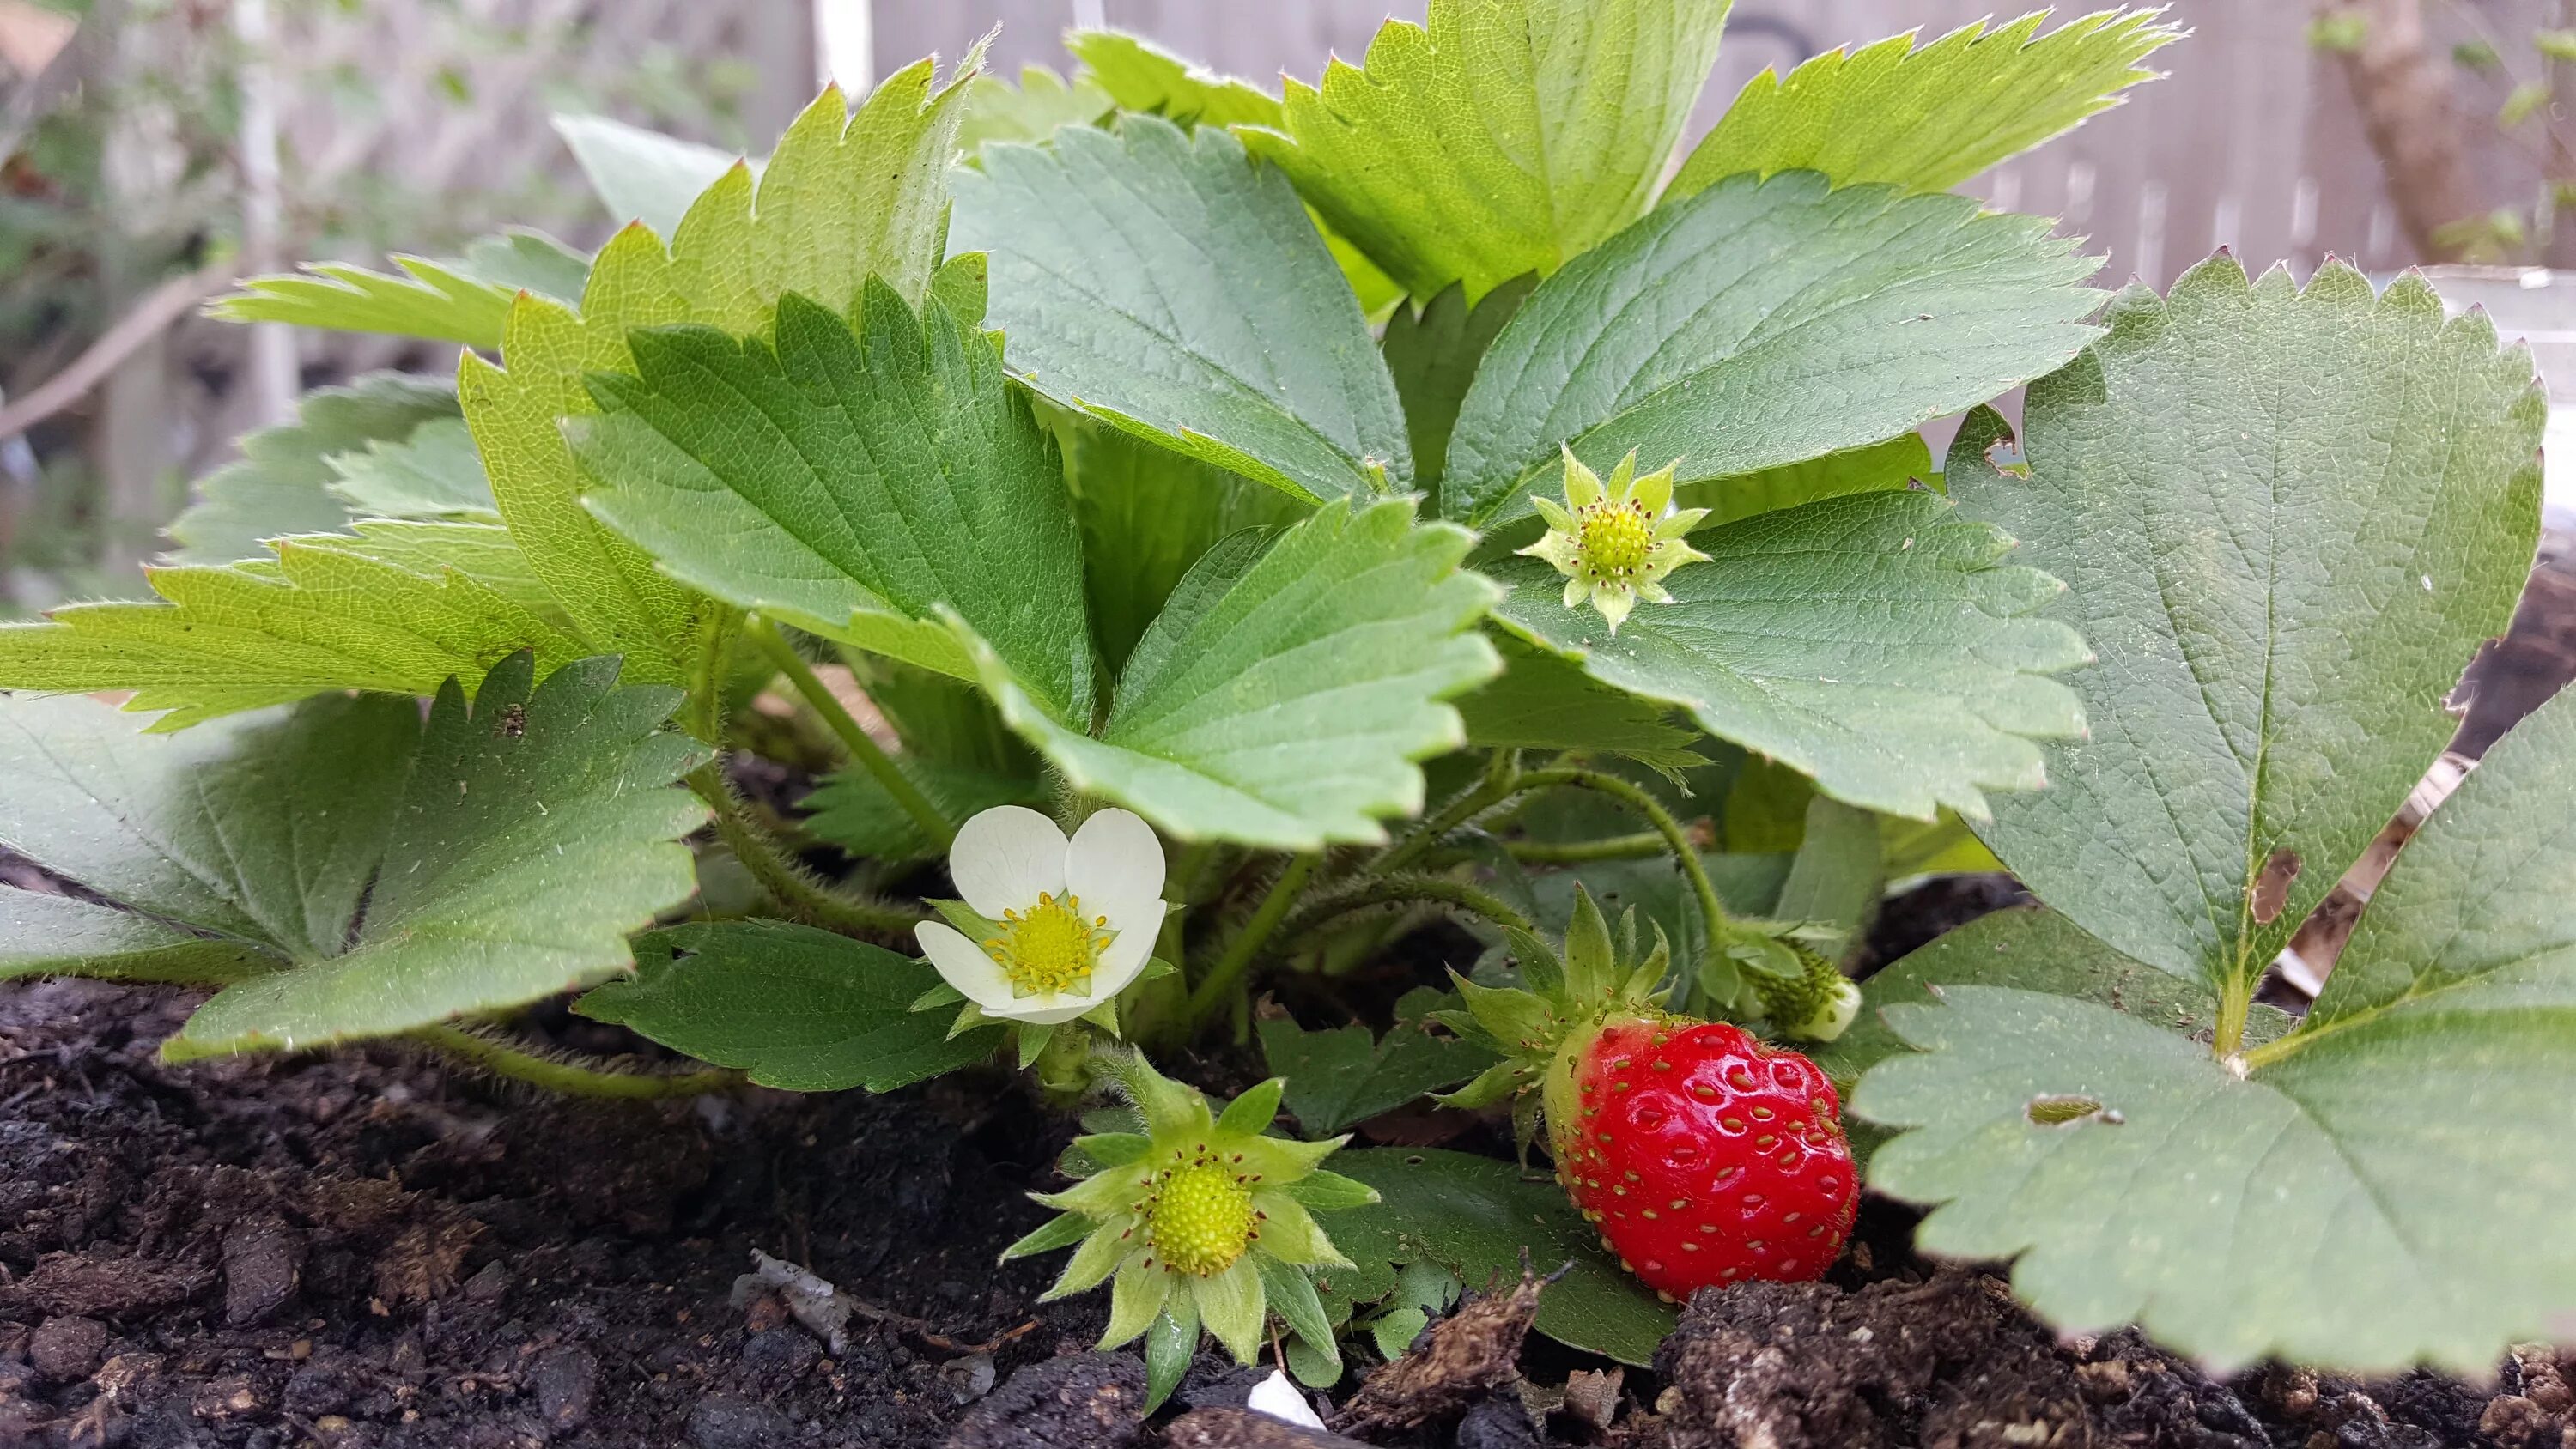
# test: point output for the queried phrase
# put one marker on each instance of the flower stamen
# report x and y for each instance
(1051, 949)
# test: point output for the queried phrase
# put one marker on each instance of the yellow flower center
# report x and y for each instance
(1201, 1219)
(1051, 949)
(1617, 538)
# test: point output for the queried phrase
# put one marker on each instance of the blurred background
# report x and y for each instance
(152, 150)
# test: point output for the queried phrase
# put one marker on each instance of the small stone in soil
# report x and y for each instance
(721, 1422)
(263, 1266)
(1091, 1399)
(67, 1349)
(566, 1381)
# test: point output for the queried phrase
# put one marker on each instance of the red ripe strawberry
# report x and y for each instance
(1704, 1156)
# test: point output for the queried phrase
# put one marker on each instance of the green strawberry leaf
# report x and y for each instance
(640, 175)
(1433, 351)
(482, 552)
(1147, 515)
(1901, 462)
(1762, 323)
(326, 613)
(44, 935)
(1287, 687)
(1929, 119)
(1201, 311)
(1873, 642)
(1139, 75)
(2277, 639)
(854, 811)
(896, 472)
(433, 472)
(1542, 701)
(1030, 112)
(349, 870)
(281, 485)
(2415, 1122)
(1501, 137)
(844, 198)
(797, 1008)
(1474, 1217)
(1342, 1077)
(465, 300)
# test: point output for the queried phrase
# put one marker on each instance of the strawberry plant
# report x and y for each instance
(1273, 532)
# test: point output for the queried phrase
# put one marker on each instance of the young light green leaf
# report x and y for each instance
(536, 830)
(1476, 1217)
(1874, 642)
(464, 300)
(325, 614)
(1502, 137)
(1543, 701)
(1031, 111)
(1147, 515)
(640, 175)
(433, 473)
(281, 485)
(482, 552)
(1433, 351)
(2277, 639)
(1164, 284)
(845, 197)
(1342, 1077)
(895, 473)
(1139, 75)
(1288, 685)
(1762, 323)
(799, 1009)
(1929, 119)
(1901, 462)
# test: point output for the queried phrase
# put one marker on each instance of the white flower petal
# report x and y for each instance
(962, 964)
(1127, 953)
(1115, 865)
(1005, 858)
(1279, 1399)
(1047, 1010)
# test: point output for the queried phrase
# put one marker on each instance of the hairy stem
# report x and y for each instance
(788, 882)
(573, 1075)
(1401, 889)
(1641, 846)
(1721, 927)
(1219, 984)
(870, 755)
(1501, 779)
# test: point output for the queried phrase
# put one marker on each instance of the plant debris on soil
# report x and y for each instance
(368, 1248)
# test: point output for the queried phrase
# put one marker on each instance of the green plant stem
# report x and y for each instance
(788, 883)
(568, 1074)
(1501, 779)
(1403, 888)
(1721, 927)
(1222, 978)
(2235, 1003)
(1576, 852)
(703, 712)
(870, 755)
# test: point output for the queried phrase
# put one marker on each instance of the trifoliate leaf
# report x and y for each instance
(1200, 311)
(895, 473)
(281, 484)
(1031, 111)
(799, 1009)
(2276, 640)
(1543, 701)
(1344, 1076)
(1929, 119)
(1901, 462)
(482, 552)
(1503, 137)
(1476, 1217)
(1433, 351)
(323, 615)
(845, 197)
(433, 473)
(535, 832)
(2415, 1123)
(354, 872)
(1876, 643)
(464, 300)
(1139, 75)
(852, 810)
(640, 175)
(1147, 514)
(1287, 687)
(1762, 323)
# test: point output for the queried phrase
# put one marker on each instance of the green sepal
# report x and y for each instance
(1493, 1084)
(1231, 1306)
(1103, 1016)
(973, 926)
(1591, 967)
(1292, 1236)
(1292, 1296)
(1540, 970)
(1033, 1038)
(1061, 1231)
(1170, 1344)
(1092, 1263)
(1114, 1149)
(936, 997)
(1323, 1191)
(1254, 1111)
(1136, 1298)
(1518, 1021)
(969, 1017)
(1156, 967)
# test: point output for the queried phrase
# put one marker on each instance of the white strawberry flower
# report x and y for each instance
(1073, 922)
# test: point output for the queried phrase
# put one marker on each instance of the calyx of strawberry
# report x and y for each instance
(1566, 999)
(1803, 995)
